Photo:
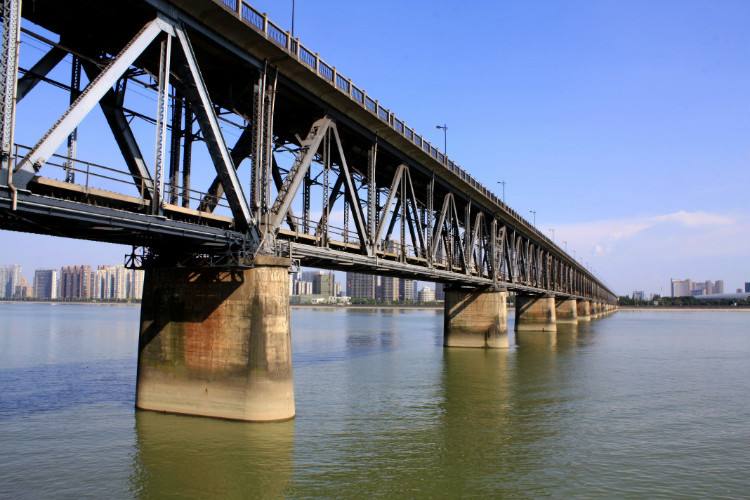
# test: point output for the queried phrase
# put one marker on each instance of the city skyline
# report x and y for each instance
(72, 282)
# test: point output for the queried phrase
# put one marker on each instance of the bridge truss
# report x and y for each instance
(333, 179)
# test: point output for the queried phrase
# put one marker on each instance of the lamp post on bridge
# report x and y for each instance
(503, 184)
(552, 231)
(444, 128)
(533, 214)
(293, 2)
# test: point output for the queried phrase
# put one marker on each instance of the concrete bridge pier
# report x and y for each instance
(595, 310)
(535, 313)
(566, 311)
(216, 342)
(475, 318)
(583, 310)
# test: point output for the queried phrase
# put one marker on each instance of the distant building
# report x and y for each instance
(639, 295)
(323, 282)
(426, 295)
(23, 290)
(75, 282)
(10, 278)
(681, 288)
(117, 283)
(361, 286)
(407, 290)
(439, 291)
(689, 288)
(747, 287)
(389, 288)
(45, 284)
(302, 288)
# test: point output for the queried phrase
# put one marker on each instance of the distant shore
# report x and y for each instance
(75, 302)
(368, 306)
(684, 309)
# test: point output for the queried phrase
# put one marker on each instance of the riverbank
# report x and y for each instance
(684, 309)
(415, 307)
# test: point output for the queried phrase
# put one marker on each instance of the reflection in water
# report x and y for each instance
(537, 339)
(616, 408)
(479, 415)
(195, 457)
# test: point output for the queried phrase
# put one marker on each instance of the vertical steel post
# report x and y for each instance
(174, 147)
(165, 54)
(430, 215)
(402, 236)
(269, 97)
(372, 205)
(75, 91)
(326, 189)
(256, 189)
(8, 84)
(306, 202)
(187, 155)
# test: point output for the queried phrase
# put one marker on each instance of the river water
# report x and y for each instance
(638, 404)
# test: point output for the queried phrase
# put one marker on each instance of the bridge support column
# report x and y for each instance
(475, 318)
(584, 310)
(216, 342)
(566, 311)
(535, 313)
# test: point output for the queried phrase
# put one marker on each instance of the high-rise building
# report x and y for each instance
(407, 290)
(639, 295)
(426, 295)
(45, 284)
(682, 288)
(361, 286)
(718, 287)
(388, 289)
(75, 282)
(303, 288)
(10, 278)
(439, 291)
(747, 287)
(323, 282)
(136, 290)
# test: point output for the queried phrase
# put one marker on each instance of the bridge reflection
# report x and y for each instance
(189, 457)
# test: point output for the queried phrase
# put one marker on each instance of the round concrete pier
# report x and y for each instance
(475, 318)
(535, 313)
(217, 342)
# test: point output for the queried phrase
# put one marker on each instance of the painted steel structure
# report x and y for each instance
(360, 189)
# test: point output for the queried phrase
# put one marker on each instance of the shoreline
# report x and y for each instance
(684, 309)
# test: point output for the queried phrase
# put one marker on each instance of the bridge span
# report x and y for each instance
(318, 173)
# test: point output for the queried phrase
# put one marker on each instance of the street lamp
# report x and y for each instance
(444, 128)
(533, 214)
(553, 234)
(503, 183)
(293, 1)
(565, 245)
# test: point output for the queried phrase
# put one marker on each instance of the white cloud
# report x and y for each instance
(644, 252)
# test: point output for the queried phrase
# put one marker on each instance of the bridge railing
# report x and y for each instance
(91, 175)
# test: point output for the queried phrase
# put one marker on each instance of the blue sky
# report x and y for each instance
(624, 125)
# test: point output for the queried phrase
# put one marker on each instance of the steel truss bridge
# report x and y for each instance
(334, 179)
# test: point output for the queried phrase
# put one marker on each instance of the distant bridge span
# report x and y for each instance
(334, 179)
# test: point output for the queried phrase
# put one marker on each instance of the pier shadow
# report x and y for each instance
(193, 457)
